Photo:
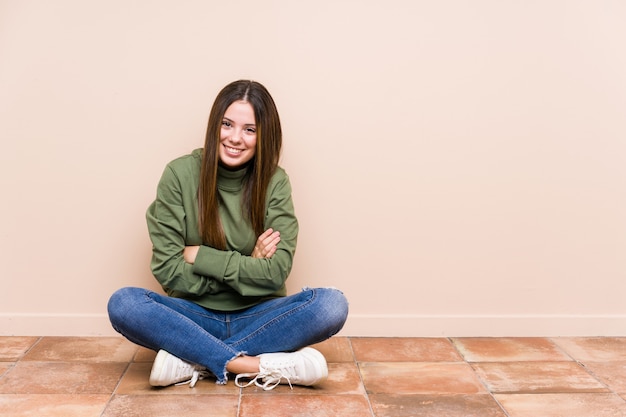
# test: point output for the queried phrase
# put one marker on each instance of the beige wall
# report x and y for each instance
(458, 165)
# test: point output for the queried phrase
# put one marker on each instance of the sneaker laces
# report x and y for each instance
(266, 379)
(196, 376)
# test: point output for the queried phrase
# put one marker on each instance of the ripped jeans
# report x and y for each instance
(213, 338)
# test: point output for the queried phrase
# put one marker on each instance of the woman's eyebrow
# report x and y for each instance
(232, 121)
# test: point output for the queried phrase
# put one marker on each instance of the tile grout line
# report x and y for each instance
(113, 393)
(19, 358)
(483, 383)
(584, 367)
(39, 339)
(367, 396)
(563, 351)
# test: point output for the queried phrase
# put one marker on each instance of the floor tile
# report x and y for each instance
(508, 349)
(343, 378)
(537, 377)
(336, 349)
(170, 405)
(62, 378)
(480, 405)
(63, 405)
(420, 378)
(372, 349)
(613, 374)
(144, 355)
(13, 348)
(562, 405)
(272, 405)
(594, 349)
(93, 349)
(136, 382)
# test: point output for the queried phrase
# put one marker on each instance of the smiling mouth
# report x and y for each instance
(233, 150)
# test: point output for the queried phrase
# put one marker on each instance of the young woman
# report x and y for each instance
(224, 233)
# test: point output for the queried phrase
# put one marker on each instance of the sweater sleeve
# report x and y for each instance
(250, 276)
(167, 228)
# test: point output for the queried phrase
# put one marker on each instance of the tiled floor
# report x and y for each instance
(439, 377)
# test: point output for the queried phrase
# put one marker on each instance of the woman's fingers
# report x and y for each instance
(266, 244)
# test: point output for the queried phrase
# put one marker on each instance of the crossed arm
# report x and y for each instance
(264, 247)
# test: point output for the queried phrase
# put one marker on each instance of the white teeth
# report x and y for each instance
(233, 150)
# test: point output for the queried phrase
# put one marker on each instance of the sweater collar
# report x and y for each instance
(230, 180)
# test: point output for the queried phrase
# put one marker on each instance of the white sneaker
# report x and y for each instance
(304, 367)
(168, 370)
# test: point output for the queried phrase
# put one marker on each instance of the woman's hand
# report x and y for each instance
(266, 244)
(190, 253)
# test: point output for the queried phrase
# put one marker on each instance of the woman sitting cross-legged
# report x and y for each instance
(224, 233)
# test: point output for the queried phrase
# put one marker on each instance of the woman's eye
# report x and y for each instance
(226, 123)
(251, 130)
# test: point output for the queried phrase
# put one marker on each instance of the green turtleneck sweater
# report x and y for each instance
(220, 280)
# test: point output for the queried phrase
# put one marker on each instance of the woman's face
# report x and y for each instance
(238, 135)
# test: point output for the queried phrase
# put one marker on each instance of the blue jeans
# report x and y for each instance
(214, 338)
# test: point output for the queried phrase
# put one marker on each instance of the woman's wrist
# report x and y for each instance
(190, 253)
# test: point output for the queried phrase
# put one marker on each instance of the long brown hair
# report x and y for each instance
(259, 170)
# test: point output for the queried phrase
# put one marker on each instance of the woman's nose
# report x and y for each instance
(236, 136)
